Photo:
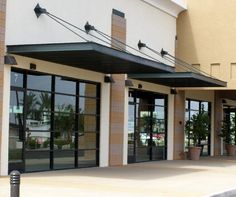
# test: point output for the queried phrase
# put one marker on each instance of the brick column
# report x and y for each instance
(117, 96)
(179, 116)
(2, 53)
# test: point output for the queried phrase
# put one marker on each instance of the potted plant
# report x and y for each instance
(228, 133)
(198, 129)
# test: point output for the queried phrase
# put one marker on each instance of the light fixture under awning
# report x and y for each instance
(179, 79)
(90, 56)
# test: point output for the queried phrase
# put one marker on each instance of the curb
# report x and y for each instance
(226, 193)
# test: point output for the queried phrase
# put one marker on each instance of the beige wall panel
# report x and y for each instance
(215, 70)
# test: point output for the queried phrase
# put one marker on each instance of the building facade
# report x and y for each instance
(79, 91)
(205, 40)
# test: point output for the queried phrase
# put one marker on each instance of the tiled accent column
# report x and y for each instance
(179, 114)
(117, 102)
(3, 163)
(217, 122)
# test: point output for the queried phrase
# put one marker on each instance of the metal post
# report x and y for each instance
(15, 183)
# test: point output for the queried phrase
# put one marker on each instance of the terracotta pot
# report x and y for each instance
(231, 149)
(194, 153)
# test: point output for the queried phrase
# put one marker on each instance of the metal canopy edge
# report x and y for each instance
(180, 79)
(91, 56)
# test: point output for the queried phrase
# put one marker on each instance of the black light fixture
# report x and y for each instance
(224, 101)
(140, 86)
(88, 27)
(163, 52)
(38, 10)
(128, 83)
(108, 79)
(9, 60)
(173, 91)
(32, 66)
(141, 45)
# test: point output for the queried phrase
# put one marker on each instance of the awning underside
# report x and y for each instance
(180, 79)
(90, 56)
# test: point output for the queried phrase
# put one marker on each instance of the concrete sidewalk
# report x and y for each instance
(159, 179)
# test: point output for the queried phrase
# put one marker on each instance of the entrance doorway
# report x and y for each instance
(147, 126)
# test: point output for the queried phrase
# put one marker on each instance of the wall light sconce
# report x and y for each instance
(173, 91)
(9, 60)
(108, 79)
(128, 83)
(140, 86)
(33, 66)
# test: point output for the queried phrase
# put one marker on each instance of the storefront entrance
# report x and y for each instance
(147, 123)
(54, 122)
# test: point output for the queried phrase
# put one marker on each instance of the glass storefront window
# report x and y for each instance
(17, 79)
(89, 90)
(39, 82)
(51, 125)
(65, 86)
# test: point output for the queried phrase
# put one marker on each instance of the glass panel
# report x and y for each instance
(87, 123)
(35, 140)
(64, 85)
(143, 124)
(160, 102)
(158, 126)
(194, 105)
(37, 160)
(64, 103)
(64, 131)
(186, 104)
(16, 126)
(158, 153)
(38, 111)
(142, 154)
(39, 82)
(204, 106)
(64, 159)
(158, 139)
(86, 89)
(159, 113)
(87, 106)
(143, 139)
(16, 79)
(87, 141)
(87, 158)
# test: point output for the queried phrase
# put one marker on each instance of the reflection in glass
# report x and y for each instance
(194, 105)
(87, 123)
(64, 131)
(64, 103)
(87, 105)
(158, 153)
(142, 154)
(16, 126)
(87, 141)
(64, 159)
(38, 111)
(39, 82)
(35, 140)
(37, 161)
(63, 85)
(87, 158)
(16, 79)
(86, 89)
(160, 102)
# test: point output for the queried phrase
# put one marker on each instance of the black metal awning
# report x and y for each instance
(90, 56)
(179, 79)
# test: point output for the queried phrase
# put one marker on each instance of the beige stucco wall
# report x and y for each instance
(206, 33)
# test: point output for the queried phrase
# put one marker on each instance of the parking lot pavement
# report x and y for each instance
(160, 178)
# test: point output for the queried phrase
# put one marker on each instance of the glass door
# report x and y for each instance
(16, 130)
(146, 126)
